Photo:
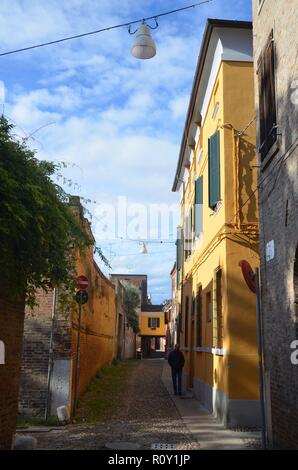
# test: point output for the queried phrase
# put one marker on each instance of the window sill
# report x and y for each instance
(213, 351)
(217, 208)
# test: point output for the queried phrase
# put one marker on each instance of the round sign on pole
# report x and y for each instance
(82, 282)
(81, 297)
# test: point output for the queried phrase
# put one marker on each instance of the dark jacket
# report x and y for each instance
(176, 359)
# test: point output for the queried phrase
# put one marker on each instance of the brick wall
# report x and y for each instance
(98, 337)
(11, 331)
(36, 347)
(278, 203)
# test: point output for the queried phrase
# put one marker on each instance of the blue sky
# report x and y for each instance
(115, 120)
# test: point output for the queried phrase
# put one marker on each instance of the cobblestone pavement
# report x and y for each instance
(146, 414)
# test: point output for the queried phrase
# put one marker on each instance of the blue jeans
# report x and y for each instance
(177, 375)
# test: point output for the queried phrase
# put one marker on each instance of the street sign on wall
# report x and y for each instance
(270, 251)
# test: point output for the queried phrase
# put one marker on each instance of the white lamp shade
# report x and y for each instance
(143, 46)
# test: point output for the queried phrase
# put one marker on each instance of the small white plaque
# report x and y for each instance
(270, 250)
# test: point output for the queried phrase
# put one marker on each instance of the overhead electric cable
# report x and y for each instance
(77, 36)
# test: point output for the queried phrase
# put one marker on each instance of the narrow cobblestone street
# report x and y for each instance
(145, 415)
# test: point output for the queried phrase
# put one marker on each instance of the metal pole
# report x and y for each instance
(260, 361)
(51, 353)
(180, 321)
(77, 357)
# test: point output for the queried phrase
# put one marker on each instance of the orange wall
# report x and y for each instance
(98, 323)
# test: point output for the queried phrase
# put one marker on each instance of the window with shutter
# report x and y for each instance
(188, 233)
(198, 212)
(214, 170)
(217, 310)
(186, 322)
(267, 104)
(199, 317)
(179, 254)
(208, 307)
(153, 322)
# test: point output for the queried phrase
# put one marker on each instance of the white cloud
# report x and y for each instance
(179, 105)
(119, 120)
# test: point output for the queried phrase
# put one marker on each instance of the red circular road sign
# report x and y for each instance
(82, 282)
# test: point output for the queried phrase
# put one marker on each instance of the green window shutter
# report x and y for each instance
(214, 170)
(179, 255)
(179, 249)
(199, 206)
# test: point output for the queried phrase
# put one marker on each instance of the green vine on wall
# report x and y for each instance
(39, 234)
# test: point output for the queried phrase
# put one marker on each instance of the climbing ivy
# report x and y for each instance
(39, 234)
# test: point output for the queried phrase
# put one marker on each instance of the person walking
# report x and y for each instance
(176, 361)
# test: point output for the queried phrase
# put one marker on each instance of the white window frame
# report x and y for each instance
(154, 324)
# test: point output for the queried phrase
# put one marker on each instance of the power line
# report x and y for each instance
(119, 240)
(124, 255)
(77, 36)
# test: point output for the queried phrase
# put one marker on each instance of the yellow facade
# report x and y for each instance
(146, 330)
(152, 329)
(218, 332)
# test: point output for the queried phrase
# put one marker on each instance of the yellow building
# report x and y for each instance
(216, 174)
(152, 328)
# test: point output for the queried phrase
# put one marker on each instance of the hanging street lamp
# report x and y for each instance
(143, 46)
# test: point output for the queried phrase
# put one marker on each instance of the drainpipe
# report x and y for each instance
(78, 352)
(260, 363)
(237, 196)
(182, 261)
(51, 354)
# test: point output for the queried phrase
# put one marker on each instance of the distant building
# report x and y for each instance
(151, 317)
(125, 346)
(276, 95)
(152, 329)
(138, 280)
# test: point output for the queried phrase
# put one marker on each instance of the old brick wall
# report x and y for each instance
(278, 205)
(98, 338)
(11, 331)
(36, 349)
